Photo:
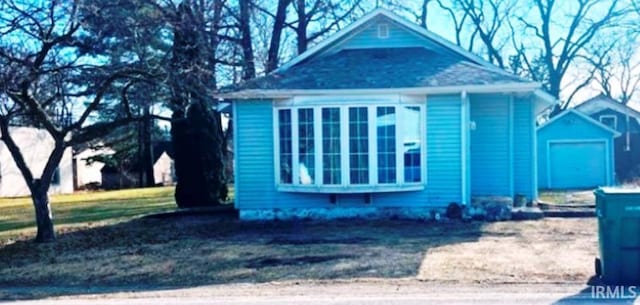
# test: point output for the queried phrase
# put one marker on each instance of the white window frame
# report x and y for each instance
(609, 116)
(344, 103)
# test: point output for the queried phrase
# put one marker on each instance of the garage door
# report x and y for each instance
(577, 165)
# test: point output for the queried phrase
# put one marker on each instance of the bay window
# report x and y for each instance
(336, 147)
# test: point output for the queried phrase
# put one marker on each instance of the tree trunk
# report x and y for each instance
(424, 13)
(249, 69)
(146, 151)
(44, 216)
(273, 59)
(301, 29)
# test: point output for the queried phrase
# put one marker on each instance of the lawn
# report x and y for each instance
(17, 215)
(86, 208)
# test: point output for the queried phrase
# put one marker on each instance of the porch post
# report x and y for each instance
(465, 148)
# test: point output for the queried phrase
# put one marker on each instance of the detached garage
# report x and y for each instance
(575, 152)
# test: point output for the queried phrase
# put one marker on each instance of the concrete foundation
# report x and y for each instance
(426, 213)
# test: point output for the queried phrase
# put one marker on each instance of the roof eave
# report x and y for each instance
(287, 93)
(585, 117)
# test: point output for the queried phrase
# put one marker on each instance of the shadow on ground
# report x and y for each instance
(189, 251)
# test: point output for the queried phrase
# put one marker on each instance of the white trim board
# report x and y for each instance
(345, 185)
(288, 93)
(609, 116)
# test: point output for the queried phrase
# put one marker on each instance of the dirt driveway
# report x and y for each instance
(151, 254)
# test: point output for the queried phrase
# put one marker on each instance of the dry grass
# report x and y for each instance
(545, 251)
(195, 251)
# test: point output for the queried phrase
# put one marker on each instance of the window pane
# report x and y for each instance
(409, 134)
(306, 148)
(286, 160)
(386, 129)
(358, 146)
(331, 170)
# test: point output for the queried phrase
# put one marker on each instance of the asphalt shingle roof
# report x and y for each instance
(381, 69)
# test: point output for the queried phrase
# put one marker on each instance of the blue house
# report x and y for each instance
(382, 118)
(625, 120)
(575, 152)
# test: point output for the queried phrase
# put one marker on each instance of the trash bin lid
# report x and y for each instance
(617, 190)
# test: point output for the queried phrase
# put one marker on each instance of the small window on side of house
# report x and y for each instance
(610, 121)
(383, 30)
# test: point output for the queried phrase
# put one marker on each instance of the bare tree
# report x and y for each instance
(273, 56)
(419, 13)
(327, 14)
(48, 68)
(618, 70)
(487, 19)
(560, 47)
(246, 41)
(459, 19)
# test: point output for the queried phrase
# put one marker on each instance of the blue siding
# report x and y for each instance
(490, 145)
(255, 178)
(444, 150)
(524, 148)
(491, 151)
(584, 134)
(254, 163)
(399, 37)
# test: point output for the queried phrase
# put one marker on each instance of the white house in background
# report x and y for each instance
(89, 172)
(36, 145)
(163, 170)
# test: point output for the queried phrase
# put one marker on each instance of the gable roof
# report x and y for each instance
(601, 102)
(382, 68)
(582, 116)
(327, 43)
(411, 70)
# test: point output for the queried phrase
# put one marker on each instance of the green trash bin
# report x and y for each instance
(618, 212)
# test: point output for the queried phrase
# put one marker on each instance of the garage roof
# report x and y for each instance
(582, 116)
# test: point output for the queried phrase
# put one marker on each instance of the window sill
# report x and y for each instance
(351, 189)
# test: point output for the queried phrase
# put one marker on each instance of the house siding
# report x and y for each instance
(36, 146)
(444, 149)
(621, 119)
(573, 128)
(367, 37)
(523, 148)
(254, 176)
(491, 150)
(255, 186)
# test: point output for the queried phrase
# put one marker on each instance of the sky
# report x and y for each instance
(440, 23)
